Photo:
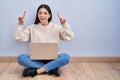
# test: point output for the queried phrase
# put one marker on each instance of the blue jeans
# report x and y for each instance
(62, 59)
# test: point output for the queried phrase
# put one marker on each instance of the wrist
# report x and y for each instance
(20, 23)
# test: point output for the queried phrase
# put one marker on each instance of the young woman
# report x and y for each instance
(43, 31)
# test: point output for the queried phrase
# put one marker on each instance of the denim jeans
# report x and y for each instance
(62, 59)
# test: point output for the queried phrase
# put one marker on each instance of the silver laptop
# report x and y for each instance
(43, 51)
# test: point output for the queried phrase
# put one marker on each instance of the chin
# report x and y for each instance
(43, 21)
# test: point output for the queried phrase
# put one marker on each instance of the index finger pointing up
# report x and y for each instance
(59, 16)
(24, 14)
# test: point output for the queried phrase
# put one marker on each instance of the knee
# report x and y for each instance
(66, 58)
(21, 58)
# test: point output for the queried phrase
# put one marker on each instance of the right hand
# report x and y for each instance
(21, 18)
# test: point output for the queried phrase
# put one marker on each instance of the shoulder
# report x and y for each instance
(32, 25)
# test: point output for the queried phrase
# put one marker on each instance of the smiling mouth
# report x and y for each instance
(42, 19)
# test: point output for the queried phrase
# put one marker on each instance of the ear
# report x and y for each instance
(49, 15)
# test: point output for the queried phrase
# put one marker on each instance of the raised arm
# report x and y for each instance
(21, 34)
(66, 32)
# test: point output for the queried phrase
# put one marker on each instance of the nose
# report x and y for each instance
(42, 14)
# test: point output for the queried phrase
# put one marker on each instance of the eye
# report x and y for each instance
(40, 13)
(45, 13)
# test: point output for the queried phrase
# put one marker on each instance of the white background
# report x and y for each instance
(96, 25)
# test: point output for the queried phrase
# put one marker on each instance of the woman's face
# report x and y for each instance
(43, 16)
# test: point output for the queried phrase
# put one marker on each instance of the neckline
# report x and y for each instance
(45, 26)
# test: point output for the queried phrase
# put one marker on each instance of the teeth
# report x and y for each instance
(43, 19)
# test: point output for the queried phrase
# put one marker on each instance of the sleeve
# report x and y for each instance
(66, 32)
(21, 34)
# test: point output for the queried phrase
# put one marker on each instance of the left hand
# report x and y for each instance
(62, 20)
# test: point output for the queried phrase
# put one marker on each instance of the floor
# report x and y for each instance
(72, 71)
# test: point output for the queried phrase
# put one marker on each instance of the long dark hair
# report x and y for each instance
(47, 8)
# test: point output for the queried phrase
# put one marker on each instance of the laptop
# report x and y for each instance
(43, 51)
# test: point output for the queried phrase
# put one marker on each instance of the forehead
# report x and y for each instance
(43, 10)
